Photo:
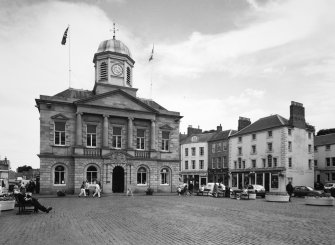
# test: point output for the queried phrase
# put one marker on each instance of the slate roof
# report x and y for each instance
(264, 123)
(75, 94)
(204, 137)
(327, 139)
(223, 135)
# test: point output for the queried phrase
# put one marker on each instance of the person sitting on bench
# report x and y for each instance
(29, 200)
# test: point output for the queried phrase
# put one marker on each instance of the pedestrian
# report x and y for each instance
(97, 189)
(289, 189)
(28, 199)
(190, 188)
(82, 190)
(129, 192)
(87, 190)
(179, 190)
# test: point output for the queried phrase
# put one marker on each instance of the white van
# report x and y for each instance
(210, 186)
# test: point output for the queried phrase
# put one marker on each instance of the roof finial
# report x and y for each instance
(114, 30)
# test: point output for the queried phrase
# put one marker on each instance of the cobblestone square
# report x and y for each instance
(169, 220)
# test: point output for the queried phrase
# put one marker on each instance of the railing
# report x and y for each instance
(142, 154)
(92, 151)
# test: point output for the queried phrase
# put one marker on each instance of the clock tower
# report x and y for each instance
(113, 66)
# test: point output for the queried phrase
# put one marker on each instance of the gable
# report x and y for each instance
(117, 100)
(59, 116)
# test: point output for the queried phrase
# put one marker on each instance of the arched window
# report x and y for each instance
(164, 176)
(103, 71)
(59, 177)
(269, 161)
(91, 174)
(142, 176)
(128, 76)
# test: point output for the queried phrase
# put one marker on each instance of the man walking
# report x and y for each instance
(289, 189)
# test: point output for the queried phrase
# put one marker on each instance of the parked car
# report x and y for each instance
(258, 189)
(300, 191)
(210, 186)
(328, 186)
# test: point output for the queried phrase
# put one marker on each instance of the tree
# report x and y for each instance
(24, 168)
(325, 131)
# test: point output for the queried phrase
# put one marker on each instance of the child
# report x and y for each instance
(129, 192)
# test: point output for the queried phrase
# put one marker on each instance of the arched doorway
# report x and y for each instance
(118, 179)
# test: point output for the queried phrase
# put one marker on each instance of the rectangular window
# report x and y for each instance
(327, 147)
(289, 131)
(264, 163)
(219, 162)
(219, 147)
(333, 161)
(193, 151)
(333, 176)
(253, 162)
(225, 162)
(193, 164)
(315, 148)
(239, 139)
(213, 148)
(202, 151)
(165, 140)
(186, 164)
(239, 163)
(243, 164)
(91, 136)
(253, 136)
(253, 149)
(274, 181)
(234, 180)
(309, 135)
(289, 146)
(309, 164)
(186, 152)
(270, 147)
(235, 164)
(315, 163)
(59, 133)
(140, 139)
(116, 139)
(328, 161)
(240, 150)
(201, 164)
(327, 177)
(274, 162)
(290, 162)
(269, 133)
(309, 148)
(214, 162)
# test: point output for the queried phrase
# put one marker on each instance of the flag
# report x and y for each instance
(152, 53)
(65, 36)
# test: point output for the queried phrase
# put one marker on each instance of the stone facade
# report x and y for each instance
(107, 135)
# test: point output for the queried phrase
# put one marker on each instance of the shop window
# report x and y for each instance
(274, 181)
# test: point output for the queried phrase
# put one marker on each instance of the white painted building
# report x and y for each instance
(194, 159)
(324, 158)
(273, 151)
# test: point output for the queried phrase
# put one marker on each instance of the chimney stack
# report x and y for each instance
(219, 128)
(297, 115)
(243, 122)
(191, 130)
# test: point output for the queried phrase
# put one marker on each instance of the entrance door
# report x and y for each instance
(267, 182)
(118, 179)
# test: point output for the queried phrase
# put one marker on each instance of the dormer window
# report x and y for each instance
(103, 71)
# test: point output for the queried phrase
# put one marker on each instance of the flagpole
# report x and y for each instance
(69, 57)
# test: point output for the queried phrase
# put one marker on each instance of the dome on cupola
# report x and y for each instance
(114, 46)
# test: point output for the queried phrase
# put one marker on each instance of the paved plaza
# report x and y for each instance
(169, 220)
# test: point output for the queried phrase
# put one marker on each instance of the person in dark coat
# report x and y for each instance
(32, 201)
(289, 189)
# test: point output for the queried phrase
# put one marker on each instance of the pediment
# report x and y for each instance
(59, 116)
(118, 157)
(117, 100)
(166, 127)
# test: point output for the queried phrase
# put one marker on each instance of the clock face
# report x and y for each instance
(117, 69)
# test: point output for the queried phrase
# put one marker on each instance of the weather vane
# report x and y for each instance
(114, 30)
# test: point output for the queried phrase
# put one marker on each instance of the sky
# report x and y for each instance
(214, 60)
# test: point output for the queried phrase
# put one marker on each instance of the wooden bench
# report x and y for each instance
(24, 207)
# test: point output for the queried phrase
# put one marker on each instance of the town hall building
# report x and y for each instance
(108, 134)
